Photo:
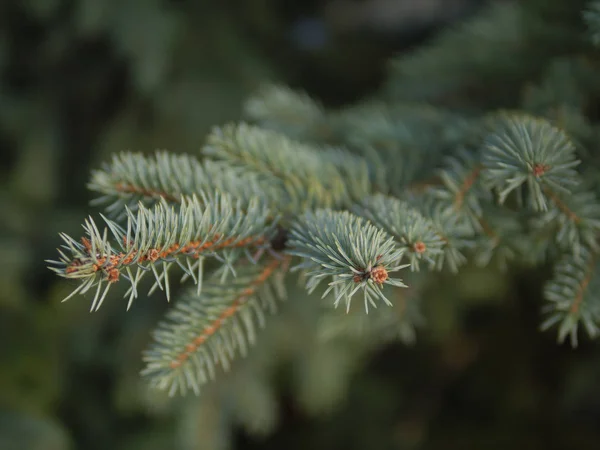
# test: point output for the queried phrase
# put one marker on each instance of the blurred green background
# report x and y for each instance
(81, 79)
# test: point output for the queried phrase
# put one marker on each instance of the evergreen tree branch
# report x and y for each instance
(350, 251)
(156, 238)
(466, 186)
(456, 233)
(209, 329)
(349, 194)
(462, 188)
(573, 297)
(528, 151)
(399, 142)
(132, 178)
(576, 217)
(383, 140)
(297, 167)
(414, 233)
(501, 232)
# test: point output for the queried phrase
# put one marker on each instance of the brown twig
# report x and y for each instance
(583, 286)
(467, 184)
(111, 264)
(562, 205)
(131, 189)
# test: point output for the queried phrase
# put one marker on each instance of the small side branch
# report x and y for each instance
(234, 308)
(208, 330)
(154, 239)
(583, 286)
(562, 206)
(466, 186)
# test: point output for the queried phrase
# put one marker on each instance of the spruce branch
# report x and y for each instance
(502, 230)
(154, 239)
(456, 232)
(298, 168)
(414, 233)
(398, 142)
(209, 329)
(526, 151)
(462, 187)
(349, 251)
(131, 178)
(353, 169)
(573, 297)
(376, 135)
(576, 218)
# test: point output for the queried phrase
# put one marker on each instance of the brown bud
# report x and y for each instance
(379, 274)
(153, 254)
(419, 247)
(540, 169)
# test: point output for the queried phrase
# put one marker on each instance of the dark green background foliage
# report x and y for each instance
(82, 79)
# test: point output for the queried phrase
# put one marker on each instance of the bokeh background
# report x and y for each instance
(81, 79)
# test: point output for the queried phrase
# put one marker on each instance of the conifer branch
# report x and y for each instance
(573, 297)
(456, 233)
(525, 150)
(463, 193)
(348, 194)
(466, 186)
(353, 170)
(462, 188)
(349, 251)
(562, 206)
(414, 233)
(298, 168)
(502, 230)
(155, 239)
(398, 142)
(134, 178)
(385, 142)
(209, 329)
(576, 217)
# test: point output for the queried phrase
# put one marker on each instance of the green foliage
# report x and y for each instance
(132, 178)
(415, 234)
(455, 232)
(432, 174)
(512, 185)
(571, 296)
(305, 179)
(526, 150)
(352, 252)
(205, 330)
(154, 239)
